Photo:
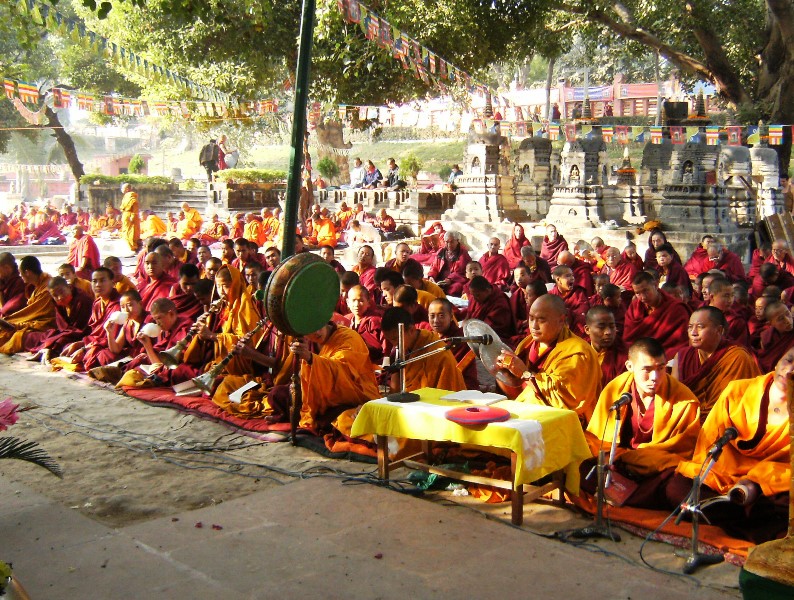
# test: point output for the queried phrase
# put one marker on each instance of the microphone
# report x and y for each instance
(485, 340)
(730, 434)
(623, 400)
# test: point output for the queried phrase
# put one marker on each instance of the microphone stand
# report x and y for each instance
(599, 529)
(402, 395)
(692, 504)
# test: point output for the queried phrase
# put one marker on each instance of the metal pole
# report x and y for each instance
(292, 204)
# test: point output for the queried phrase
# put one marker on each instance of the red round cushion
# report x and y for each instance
(477, 415)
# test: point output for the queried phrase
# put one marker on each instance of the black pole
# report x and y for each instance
(292, 203)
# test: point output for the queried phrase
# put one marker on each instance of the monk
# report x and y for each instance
(121, 282)
(413, 274)
(574, 296)
(385, 222)
(253, 228)
(721, 296)
(170, 263)
(365, 269)
(495, 266)
(402, 258)
(533, 291)
(754, 469)
(38, 314)
(582, 271)
(343, 216)
(216, 231)
(437, 371)
(770, 274)
(537, 267)
(152, 226)
(655, 239)
(72, 312)
(448, 268)
(70, 275)
(157, 283)
(653, 313)
(191, 224)
(490, 304)
(757, 323)
(518, 297)
(759, 257)
(68, 218)
(388, 281)
(181, 294)
(621, 272)
(365, 318)
(440, 316)
(122, 340)
(407, 297)
(323, 232)
(671, 271)
(777, 338)
(602, 330)
(659, 425)
(83, 254)
(514, 245)
(85, 351)
(711, 361)
(781, 256)
(12, 288)
(335, 375)
(699, 260)
(130, 219)
(553, 244)
(245, 252)
(556, 367)
(719, 257)
(629, 254)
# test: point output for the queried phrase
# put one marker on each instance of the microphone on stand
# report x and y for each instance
(730, 434)
(622, 401)
(485, 340)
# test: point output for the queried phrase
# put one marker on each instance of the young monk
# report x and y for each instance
(12, 288)
(653, 313)
(69, 274)
(38, 314)
(602, 330)
(122, 340)
(365, 319)
(121, 282)
(157, 283)
(440, 315)
(490, 305)
(83, 254)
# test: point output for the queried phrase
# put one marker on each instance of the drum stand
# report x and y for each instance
(297, 399)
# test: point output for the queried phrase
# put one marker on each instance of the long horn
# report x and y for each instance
(172, 357)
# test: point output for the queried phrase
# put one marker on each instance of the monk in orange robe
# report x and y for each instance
(190, 225)
(413, 274)
(602, 329)
(755, 467)
(97, 223)
(323, 232)
(556, 368)
(83, 254)
(130, 219)
(152, 226)
(343, 216)
(216, 232)
(659, 425)
(711, 362)
(38, 314)
(121, 282)
(253, 228)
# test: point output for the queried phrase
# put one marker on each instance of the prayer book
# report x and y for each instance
(237, 395)
(474, 397)
(187, 388)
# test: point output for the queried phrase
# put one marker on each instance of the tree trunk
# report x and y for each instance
(330, 134)
(66, 142)
(549, 76)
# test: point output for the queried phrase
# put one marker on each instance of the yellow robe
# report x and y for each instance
(153, 226)
(131, 220)
(124, 285)
(84, 285)
(431, 288)
(253, 231)
(424, 299)
(569, 376)
(190, 225)
(768, 464)
(37, 315)
(675, 425)
(439, 371)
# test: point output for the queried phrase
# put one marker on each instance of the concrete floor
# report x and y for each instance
(312, 538)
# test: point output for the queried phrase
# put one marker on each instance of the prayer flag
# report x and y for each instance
(622, 133)
(713, 135)
(521, 129)
(734, 135)
(107, 105)
(354, 12)
(537, 129)
(385, 40)
(656, 135)
(638, 134)
(373, 27)
(587, 131)
(30, 93)
(691, 132)
(677, 135)
(8, 86)
(608, 133)
(753, 135)
(570, 132)
(775, 133)
(554, 132)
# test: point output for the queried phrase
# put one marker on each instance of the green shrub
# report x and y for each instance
(136, 164)
(328, 168)
(90, 178)
(411, 165)
(251, 176)
(444, 172)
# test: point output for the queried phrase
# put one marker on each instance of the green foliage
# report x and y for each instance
(96, 178)
(328, 168)
(136, 165)
(444, 172)
(251, 176)
(411, 165)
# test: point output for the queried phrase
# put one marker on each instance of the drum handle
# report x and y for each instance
(297, 397)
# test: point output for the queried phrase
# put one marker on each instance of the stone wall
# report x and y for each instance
(97, 196)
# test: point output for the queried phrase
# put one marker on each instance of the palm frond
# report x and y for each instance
(11, 447)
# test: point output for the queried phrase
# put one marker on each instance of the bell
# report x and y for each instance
(204, 382)
(172, 357)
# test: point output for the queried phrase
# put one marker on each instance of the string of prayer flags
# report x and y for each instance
(775, 135)
(712, 135)
(734, 135)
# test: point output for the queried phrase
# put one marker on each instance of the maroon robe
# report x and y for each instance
(370, 330)
(636, 261)
(132, 347)
(650, 259)
(48, 229)
(467, 362)
(784, 280)
(67, 219)
(12, 295)
(613, 362)
(738, 332)
(367, 279)
(773, 346)
(513, 247)
(71, 325)
(755, 263)
(140, 268)
(152, 289)
(452, 270)
(690, 370)
(496, 269)
(392, 265)
(257, 258)
(549, 251)
(97, 339)
(583, 275)
(186, 304)
(698, 262)
(495, 312)
(84, 250)
(730, 264)
(164, 341)
(677, 276)
(787, 264)
(667, 323)
(622, 275)
(577, 305)
(540, 271)
(756, 329)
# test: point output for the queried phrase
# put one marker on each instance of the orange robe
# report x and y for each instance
(84, 286)
(438, 371)
(253, 232)
(569, 375)
(97, 224)
(431, 288)
(767, 463)
(131, 220)
(675, 425)
(37, 315)
(323, 233)
(190, 225)
(124, 285)
(153, 226)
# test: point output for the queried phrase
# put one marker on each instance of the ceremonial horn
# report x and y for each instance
(172, 357)
(204, 382)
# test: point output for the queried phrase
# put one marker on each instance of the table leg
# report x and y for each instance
(383, 456)
(516, 495)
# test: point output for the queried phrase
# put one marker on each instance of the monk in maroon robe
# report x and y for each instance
(553, 244)
(365, 318)
(406, 297)
(671, 271)
(770, 274)
(448, 269)
(12, 287)
(630, 255)
(157, 284)
(653, 313)
(656, 239)
(721, 297)
(621, 272)
(68, 218)
(45, 231)
(72, 312)
(182, 294)
(83, 254)
(441, 322)
(490, 305)
(537, 268)
(582, 271)
(574, 296)
(601, 329)
(781, 256)
(514, 245)
(722, 259)
(495, 267)
(777, 338)
(759, 257)
(698, 261)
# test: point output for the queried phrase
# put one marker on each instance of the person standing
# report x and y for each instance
(130, 218)
(208, 158)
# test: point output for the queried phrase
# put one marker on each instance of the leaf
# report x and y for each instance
(11, 447)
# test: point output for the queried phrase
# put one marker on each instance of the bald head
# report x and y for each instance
(565, 258)
(547, 317)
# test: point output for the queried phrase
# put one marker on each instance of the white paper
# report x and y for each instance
(187, 388)
(237, 395)
(475, 397)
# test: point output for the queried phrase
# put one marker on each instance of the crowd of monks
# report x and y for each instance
(699, 345)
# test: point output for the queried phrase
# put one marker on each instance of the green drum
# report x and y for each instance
(301, 294)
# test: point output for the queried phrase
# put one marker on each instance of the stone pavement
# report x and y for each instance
(313, 538)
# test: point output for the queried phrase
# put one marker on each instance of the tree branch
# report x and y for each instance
(783, 11)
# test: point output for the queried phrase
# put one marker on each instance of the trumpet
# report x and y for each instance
(204, 382)
(172, 357)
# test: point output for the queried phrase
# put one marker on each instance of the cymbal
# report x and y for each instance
(488, 354)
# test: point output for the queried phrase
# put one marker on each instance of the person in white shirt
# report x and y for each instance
(357, 174)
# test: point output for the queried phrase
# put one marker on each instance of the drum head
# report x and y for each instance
(301, 294)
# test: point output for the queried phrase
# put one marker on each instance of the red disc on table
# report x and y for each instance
(477, 415)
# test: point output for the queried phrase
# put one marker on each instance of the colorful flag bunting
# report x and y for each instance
(713, 135)
(656, 135)
(775, 135)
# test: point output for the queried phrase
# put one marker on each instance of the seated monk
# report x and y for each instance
(602, 330)
(323, 232)
(442, 323)
(150, 245)
(211, 267)
(582, 271)
(630, 255)
(12, 287)
(518, 297)
(168, 260)
(473, 269)
(190, 225)
(448, 268)
(251, 273)
(347, 281)
(72, 312)
(181, 294)
(253, 228)
(83, 254)
(757, 323)
(537, 267)
(152, 225)
(760, 256)
(402, 258)
(112, 220)
(777, 338)
(658, 430)
(528, 295)
(385, 222)
(245, 253)
(216, 231)
(68, 272)
(711, 361)
(388, 281)
(157, 283)
(413, 274)
(326, 253)
(365, 269)
(574, 296)
(84, 352)
(438, 371)
(556, 367)
(721, 296)
(121, 282)
(407, 297)
(770, 274)
(699, 260)
(495, 267)
(755, 468)
(669, 270)
(599, 281)
(553, 244)
(173, 328)
(621, 272)
(653, 313)
(122, 340)
(722, 259)
(365, 319)
(335, 375)
(432, 241)
(38, 314)
(489, 304)
(182, 254)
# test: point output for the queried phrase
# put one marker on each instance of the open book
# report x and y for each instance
(474, 397)
(187, 388)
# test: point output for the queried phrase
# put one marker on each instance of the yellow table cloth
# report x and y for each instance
(544, 439)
